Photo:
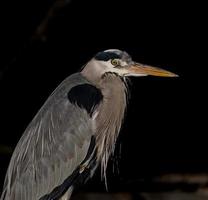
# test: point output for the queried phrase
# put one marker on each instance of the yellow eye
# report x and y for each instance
(115, 62)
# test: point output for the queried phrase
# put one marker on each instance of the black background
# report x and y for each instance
(165, 126)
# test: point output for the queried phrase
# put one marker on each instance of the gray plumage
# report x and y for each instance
(56, 143)
(53, 145)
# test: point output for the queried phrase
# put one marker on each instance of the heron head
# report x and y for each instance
(120, 63)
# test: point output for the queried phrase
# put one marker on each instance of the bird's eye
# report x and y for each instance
(115, 62)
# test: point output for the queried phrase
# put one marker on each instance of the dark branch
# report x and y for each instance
(40, 32)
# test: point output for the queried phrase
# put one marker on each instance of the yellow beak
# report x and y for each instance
(138, 69)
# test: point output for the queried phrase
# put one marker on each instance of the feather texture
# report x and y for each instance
(110, 116)
(54, 144)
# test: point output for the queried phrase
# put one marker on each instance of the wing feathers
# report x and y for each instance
(48, 155)
(51, 148)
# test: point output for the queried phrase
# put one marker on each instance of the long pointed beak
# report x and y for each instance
(137, 69)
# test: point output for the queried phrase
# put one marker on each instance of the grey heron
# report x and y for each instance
(75, 130)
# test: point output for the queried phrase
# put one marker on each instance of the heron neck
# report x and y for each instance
(110, 115)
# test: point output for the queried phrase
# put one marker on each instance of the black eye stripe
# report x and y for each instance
(105, 56)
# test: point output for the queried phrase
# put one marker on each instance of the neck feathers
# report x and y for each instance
(109, 117)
